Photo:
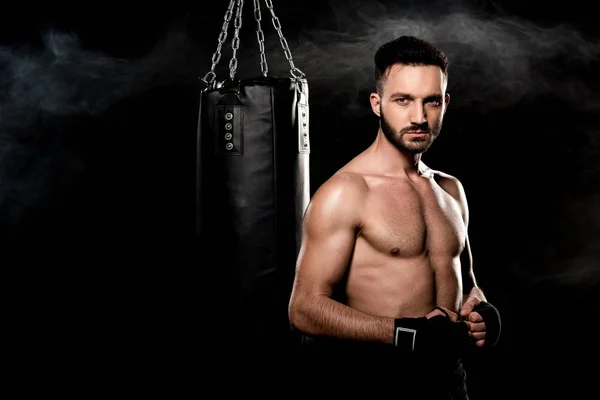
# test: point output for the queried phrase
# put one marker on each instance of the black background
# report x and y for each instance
(98, 114)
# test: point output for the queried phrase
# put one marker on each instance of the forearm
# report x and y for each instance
(320, 315)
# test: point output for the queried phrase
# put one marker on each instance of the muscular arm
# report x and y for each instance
(329, 232)
(483, 319)
(469, 284)
(470, 288)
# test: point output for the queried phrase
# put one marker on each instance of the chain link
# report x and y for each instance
(235, 42)
(260, 37)
(210, 75)
(295, 72)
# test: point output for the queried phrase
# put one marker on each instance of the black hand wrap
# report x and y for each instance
(491, 318)
(406, 330)
(437, 334)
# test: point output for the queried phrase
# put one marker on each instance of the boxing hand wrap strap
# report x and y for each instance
(406, 331)
(491, 318)
(442, 310)
(435, 335)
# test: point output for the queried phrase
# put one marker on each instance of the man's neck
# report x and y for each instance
(393, 161)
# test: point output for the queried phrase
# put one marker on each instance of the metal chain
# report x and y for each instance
(235, 42)
(288, 54)
(260, 37)
(210, 75)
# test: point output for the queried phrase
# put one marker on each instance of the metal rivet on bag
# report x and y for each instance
(229, 146)
(228, 136)
(228, 126)
(228, 116)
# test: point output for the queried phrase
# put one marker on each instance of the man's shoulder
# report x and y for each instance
(449, 183)
(343, 182)
(337, 201)
(444, 177)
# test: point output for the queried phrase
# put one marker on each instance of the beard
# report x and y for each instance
(409, 145)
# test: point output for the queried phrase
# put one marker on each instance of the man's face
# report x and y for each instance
(412, 106)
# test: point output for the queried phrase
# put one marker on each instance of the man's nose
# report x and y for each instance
(418, 116)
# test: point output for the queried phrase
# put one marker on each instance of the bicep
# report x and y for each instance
(324, 255)
(466, 256)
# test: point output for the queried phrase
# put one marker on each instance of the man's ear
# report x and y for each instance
(375, 103)
(446, 102)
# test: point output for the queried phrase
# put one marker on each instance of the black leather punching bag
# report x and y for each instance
(252, 190)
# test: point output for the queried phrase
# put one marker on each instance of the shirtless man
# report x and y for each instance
(385, 257)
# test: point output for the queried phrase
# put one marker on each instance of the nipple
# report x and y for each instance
(395, 251)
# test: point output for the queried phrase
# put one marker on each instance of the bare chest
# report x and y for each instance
(406, 221)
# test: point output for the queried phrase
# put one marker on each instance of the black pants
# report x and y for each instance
(354, 368)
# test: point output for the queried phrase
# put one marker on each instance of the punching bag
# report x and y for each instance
(253, 188)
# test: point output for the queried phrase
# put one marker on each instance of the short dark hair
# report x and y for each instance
(407, 50)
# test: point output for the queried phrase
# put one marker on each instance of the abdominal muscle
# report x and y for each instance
(390, 285)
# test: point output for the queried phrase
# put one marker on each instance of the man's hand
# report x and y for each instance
(474, 320)
(449, 313)
(438, 332)
(483, 320)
